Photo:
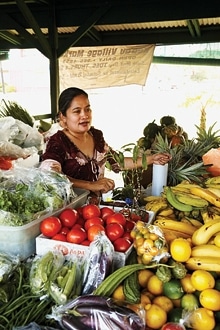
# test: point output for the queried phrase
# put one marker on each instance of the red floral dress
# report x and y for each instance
(73, 162)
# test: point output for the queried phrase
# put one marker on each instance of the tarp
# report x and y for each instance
(97, 67)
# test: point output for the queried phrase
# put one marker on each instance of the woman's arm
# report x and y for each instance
(102, 185)
(159, 159)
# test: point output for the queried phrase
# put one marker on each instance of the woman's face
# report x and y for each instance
(78, 116)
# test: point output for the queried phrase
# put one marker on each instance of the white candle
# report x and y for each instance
(159, 178)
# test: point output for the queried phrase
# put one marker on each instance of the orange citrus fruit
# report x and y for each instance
(180, 249)
(202, 279)
(187, 284)
(210, 299)
(155, 316)
(202, 319)
(118, 294)
(143, 277)
(164, 302)
(155, 285)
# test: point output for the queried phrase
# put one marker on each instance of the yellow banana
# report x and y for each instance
(206, 194)
(193, 222)
(205, 250)
(213, 180)
(205, 263)
(214, 190)
(156, 206)
(170, 235)
(209, 216)
(175, 225)
(191, 199)
(203, 234)
(166, 212)
(153, 198)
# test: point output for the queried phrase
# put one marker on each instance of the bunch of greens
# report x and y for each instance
(25, 195)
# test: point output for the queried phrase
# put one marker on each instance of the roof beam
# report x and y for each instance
(83, 29)
(33, 23)
(10, 38)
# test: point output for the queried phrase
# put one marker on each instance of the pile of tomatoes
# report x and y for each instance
(81, 226)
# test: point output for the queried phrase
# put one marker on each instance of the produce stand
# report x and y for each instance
(168, 278)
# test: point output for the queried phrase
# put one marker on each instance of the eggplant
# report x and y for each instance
(70, 322)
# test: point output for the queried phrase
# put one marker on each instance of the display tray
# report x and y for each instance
(44, 244)
(20, 240)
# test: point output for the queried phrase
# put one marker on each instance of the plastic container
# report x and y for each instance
(20, 240)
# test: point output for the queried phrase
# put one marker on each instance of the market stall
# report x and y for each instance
(150, 264)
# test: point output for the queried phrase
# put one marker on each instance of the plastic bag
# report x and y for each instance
(34, 326)
(18, 133)
(150, 243)
(26, 194)
(98, 265)
(96, 313)
(8, 264)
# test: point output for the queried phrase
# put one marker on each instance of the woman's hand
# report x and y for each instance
(159, 159)
(103, 185)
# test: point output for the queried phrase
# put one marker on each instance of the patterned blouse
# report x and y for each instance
(75, 163)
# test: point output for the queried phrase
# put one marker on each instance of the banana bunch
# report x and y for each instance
(213, 182)
(155, 203)
(204, 233)
(173, 228)
(184, 201)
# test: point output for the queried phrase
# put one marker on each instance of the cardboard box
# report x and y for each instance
(20, 240)
(44, 244)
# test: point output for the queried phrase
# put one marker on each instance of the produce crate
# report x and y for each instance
(20, 240)
(44, 244)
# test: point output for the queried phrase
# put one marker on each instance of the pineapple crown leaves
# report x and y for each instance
(209, 137)
(192, 173)
(16, 111)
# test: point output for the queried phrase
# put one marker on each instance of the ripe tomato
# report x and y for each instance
(80, 221)
(59, 237)
(76, 235)
(116, 218)
(90, 211)
(121, 244)
(106, 211)
(50, 226)
(68, 217)
(114, 231)
(135, 217)
(93, 231)
(64, 230)
(127, 235)
(86, 242)
(93, 221)
(129, 225)
(173, 326)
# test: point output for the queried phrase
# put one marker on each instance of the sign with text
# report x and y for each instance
(97, 67)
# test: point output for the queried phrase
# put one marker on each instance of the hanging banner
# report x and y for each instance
(106, 66)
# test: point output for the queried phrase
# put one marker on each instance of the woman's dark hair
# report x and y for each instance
(67, 96)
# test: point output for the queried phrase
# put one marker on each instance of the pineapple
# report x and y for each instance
(186, 162)
(208, 137)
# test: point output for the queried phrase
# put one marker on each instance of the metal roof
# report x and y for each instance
(55, 25)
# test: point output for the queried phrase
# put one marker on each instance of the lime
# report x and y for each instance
(189, 301)
(175, 314)
(173, 289)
